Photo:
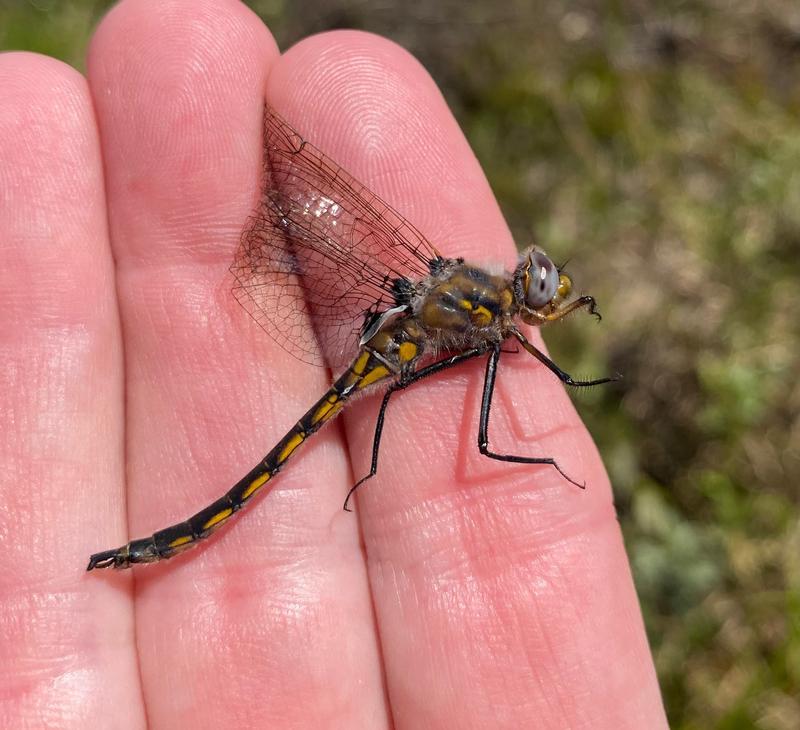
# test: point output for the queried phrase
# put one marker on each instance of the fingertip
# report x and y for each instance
(46, 109)
(372, 107)
(178, 87)
(26, 70)
(185, 28)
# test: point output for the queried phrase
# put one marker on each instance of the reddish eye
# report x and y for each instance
(543, 282)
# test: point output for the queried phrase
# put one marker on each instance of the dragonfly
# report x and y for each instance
(339, 278)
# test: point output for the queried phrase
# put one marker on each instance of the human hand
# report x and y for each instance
(463, 593)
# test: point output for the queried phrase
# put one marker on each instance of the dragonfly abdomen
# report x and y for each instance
(368, 368)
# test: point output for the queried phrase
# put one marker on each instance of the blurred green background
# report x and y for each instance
(658, 144)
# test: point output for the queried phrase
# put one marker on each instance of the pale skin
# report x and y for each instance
(462, 592)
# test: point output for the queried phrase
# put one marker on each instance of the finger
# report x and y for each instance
(502, 591)
(279, 603)
(67, 641)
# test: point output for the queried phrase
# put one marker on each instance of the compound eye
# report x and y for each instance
(542, 281)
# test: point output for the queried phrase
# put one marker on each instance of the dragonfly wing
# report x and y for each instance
(322, 252)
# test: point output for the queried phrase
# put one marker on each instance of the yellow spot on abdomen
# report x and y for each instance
(217, 518)
(325, 410)
(256, 484)
(361, 363)
(373, 376)
(178, 541)
(291, 445)
(407, 351)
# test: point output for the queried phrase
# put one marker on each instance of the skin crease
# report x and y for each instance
(462, 593)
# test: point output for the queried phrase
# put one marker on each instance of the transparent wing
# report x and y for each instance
(322, 252)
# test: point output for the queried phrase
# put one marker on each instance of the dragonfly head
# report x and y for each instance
(540, 289)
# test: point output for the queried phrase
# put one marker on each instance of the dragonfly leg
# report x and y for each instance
(402, 384)
(565, 378)
(376, 445)
(483, 426)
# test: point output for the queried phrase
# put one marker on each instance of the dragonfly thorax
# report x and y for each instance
(466, 303)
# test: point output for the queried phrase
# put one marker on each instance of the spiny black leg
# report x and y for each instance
(376, 445)
(483, 426)
(402, 384)
(565, 378)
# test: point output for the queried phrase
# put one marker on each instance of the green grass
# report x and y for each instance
(661, 150)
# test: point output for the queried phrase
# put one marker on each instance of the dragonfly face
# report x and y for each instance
(541, 291)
